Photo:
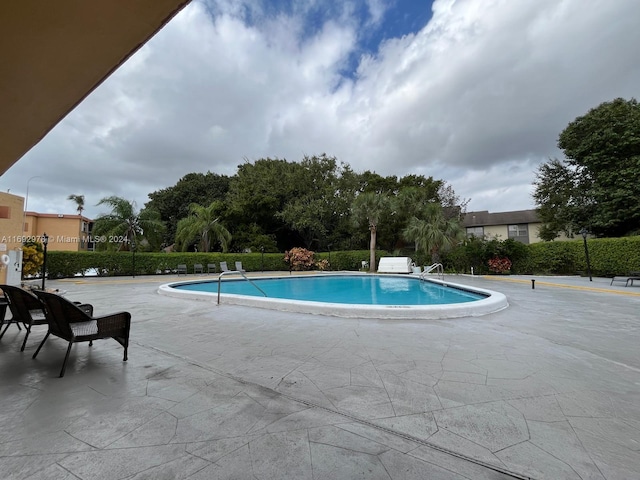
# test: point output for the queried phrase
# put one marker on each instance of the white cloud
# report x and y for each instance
(477, 97)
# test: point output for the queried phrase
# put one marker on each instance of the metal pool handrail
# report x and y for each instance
(437, 267)
(243, 275)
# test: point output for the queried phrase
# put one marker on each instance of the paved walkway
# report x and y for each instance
(548, 388)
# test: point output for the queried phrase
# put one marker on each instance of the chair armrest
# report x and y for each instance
(115, 324)
(85, 307)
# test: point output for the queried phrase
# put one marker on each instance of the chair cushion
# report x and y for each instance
(81, 329)
(37, 314)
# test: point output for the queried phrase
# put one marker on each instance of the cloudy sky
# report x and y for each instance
(474, 92)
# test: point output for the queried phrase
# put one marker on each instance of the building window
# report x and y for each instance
(475, 232)
(5, 212)
(519, 232)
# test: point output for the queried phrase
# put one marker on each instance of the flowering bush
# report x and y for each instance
(322, 265)
(499, 264)
(32, 258)
(299, 258)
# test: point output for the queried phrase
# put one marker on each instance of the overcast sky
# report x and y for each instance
(473, 92)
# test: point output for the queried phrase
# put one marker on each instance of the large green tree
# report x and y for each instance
(203, 224)
(369, 209)
(563, 201)
(433, 232)
(124, 225)
(257, 193)
(406, 194)
(173, 202)
(596, 186)
(316, 209)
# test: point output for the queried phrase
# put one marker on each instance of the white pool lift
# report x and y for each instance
(395, 265)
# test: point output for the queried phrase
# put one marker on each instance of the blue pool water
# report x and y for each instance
(356, 289)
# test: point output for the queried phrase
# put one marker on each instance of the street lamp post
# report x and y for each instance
(45, 242)
(584, 233)
(262, 258)
(133, 260)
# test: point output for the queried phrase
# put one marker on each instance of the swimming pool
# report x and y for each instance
(348, 295)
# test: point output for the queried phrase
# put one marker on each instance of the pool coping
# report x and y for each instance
(494, 302)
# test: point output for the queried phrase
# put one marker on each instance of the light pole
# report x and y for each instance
(133, 261)
(262, 258)
(45, 241)
(26, 203)
(584, 233)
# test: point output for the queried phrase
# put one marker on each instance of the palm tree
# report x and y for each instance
(124, 225)
(79, 200)
(370, 206)
(433, 232)
(203, 222)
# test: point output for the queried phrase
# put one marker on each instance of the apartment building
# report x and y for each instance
(521, 225)
(66, 232)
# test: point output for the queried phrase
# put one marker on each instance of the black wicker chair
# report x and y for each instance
(25, 308)
(69, 322)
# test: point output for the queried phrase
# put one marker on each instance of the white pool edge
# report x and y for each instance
(494, 302)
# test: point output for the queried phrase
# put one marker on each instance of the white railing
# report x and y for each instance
(229, 272)
(429, 269)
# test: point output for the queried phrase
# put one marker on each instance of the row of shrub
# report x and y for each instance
(70, 264)
(608, 257)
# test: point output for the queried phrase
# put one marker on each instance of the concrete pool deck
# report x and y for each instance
(548, 388)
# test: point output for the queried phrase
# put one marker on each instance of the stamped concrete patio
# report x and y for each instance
(548, 388)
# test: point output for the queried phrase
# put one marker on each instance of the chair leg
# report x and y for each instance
(41, 344)
(126, 348)
(91, 343)
(66, 357)
(26, 335)
(5, 329)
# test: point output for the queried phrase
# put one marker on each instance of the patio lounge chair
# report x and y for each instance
(211, 268)
(4, 304)
(628, 279)
(25, 308)
(197, 268)
(182, 269)
(239, 267)
(74, 325)
(223, 267)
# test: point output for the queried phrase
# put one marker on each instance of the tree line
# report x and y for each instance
(273, 205)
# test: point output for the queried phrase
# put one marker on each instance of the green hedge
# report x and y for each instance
(70, 264)
(557, 258)
(608, 257)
